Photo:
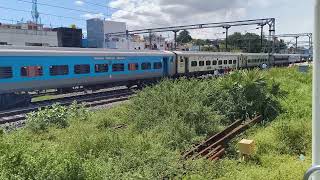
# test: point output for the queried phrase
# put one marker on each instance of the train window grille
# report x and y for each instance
(146, 66)
(157, 65)
(225, 61)
(5, 72)
(201, 63)
(133, 67)
(59, 70)
(214, 63)
(31, 71)
(194, 63)
(220, 62)
(208, 63)
(101, 68)
(117, 67)
(82, 69)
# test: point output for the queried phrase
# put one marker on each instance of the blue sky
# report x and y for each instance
(292, 16)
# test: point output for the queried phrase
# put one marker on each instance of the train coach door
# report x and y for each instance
(165, 66)
(186, 65)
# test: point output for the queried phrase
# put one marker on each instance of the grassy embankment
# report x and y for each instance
(162, 122)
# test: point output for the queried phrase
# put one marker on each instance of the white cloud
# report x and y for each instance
(79, 3)
(140, 14)
(158, 13)
(90, 16)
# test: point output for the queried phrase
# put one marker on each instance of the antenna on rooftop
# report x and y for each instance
(34, 11)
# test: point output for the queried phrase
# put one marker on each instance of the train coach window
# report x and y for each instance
(230, 61)
(82, 69)
(145, 66)
(117, 67)
(31, 71)
(220, 62)
(201, 63)
(157, 65)
(194, 63)
(59, 70)
(208, 63)
(214, 62)
(5, 72)
(101, 68)
(225, 61)
(133, 67)
(234, 61)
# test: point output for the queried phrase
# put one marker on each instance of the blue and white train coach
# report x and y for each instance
(29, 69)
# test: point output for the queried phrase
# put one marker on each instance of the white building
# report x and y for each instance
(97, 30)
(97, 33)
(27, 34)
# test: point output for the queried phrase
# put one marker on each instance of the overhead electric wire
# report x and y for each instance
(61, 7)
(46, 14)
(91, 12)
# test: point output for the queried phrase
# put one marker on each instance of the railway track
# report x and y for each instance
(89, 100)
(214, 147)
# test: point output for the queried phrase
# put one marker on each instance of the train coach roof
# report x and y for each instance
(201, 53)
(53, 51)
(198, 53)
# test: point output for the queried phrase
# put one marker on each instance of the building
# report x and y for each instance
(157, 42)
(69, 37)
(97, 35)
(98, 29)
(27, 34)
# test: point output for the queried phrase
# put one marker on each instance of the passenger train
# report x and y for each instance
(27, 69)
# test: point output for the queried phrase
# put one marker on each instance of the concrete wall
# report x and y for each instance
(21, 37)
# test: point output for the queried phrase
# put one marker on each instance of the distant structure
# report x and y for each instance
(157, 42)
(97, 29)
(97, 37)
(27, 34)
(69, 37)
(34, 12)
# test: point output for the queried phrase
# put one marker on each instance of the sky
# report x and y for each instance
(292, 16)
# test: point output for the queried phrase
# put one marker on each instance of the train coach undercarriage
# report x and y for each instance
(12, 100)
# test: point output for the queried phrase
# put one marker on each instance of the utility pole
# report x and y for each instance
(34, 11)
(310, 43)
(261, 36)
(127, 39)
(150, 40)
(296, 50)
(227, 29)
(315, 98)
(175, 39)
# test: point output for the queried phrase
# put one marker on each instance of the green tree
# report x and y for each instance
(184, 37)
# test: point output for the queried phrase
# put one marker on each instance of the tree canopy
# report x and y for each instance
(184, 37)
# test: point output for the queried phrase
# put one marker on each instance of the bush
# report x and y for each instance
(293, 136)
(244, 94)
(55, 116)
(162, 122)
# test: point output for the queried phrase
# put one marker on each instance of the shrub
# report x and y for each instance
(293, 136)
(244, 94)
(55, 116)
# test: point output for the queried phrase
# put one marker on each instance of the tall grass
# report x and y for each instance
(162, 122)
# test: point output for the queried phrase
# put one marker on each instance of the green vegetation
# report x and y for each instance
(43, 98)
(237, 42)
(162, 122)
